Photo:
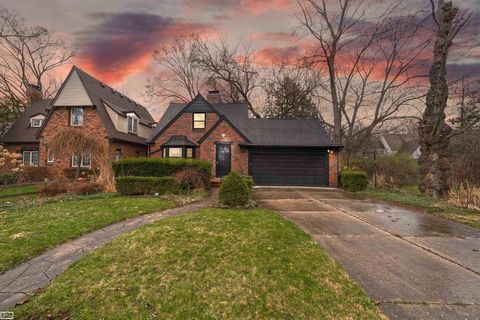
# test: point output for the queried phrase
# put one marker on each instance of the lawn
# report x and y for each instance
(412, 198)
(13, 191)
(211, 264)
(29, 226)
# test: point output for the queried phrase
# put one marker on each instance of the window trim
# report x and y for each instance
(50, 157)
(199, 121)
(30, 163)
(39, 125)
(82, 165)
(71, 117)
(135, 124)
(166, 152)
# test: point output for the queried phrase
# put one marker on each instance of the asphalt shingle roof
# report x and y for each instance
(261, 132)
(20, 131)
(179, 141)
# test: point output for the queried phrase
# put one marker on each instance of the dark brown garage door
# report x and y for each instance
(289, 167)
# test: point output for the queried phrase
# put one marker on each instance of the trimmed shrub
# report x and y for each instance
(192, 178)
(147, 185)
(34, 174)
(234, 191)
(55, 188)
(8, 178)
(354, 180)
(249, 182)
(158, 167)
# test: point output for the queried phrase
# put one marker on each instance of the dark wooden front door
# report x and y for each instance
(223, 163)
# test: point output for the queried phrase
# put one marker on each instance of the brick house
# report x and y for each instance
(85, 103)
(295, 152)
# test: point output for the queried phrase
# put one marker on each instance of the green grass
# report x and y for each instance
(211, 264)
(412, 198)
(13, 191)
(29, 226)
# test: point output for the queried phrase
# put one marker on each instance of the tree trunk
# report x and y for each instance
(77, 173)
(434, 132)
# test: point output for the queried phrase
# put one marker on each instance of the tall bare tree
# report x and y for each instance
(27, 57)
(180, 76)
(232, 67)
(370, 59)
(434, 132)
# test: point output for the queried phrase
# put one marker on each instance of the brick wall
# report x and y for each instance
(333, 169)
(239, 156)
(128, 150)
(60, 119)
(183, 126)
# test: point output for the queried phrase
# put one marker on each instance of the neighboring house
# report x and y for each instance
(395, 143)
(273, 151)
(88, 104)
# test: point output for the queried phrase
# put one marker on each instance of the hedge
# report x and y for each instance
(234, 191)
(158, 167)
(354, 180)
(147, 185)
(249, 182)
(8, 178)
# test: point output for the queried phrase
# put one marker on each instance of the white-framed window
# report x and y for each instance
(175, 152)
(86, 161)
(30, 158)
(50, 157)
(132, 124)
(76, 117)
(36, 123)
(199, 120)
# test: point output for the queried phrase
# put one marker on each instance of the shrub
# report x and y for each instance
(465, 196)
(234, 191)
(70, 173)
(132, 185)
(192, 178)
(249, 182)
(398, 170)
(8, 178)
(34, 174)
(86, 188)
(354, 180)
(55, 188)
(158, 167)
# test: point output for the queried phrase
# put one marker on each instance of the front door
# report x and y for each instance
(223, 162)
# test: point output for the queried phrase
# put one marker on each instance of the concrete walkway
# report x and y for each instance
(18, 284)
(412, 264)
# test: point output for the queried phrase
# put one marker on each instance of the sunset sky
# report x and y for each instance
(116, 37)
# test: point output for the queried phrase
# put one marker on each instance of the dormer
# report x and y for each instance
(132, 122)
(36, 120)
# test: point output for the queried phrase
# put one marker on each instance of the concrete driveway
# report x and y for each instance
(414, 265)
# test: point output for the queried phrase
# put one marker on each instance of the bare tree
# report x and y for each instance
(180, 76)
(291, 92)
(371, 62)
(434, 132)
(27, 56)
(232, 67)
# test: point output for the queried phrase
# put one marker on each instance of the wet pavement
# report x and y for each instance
(414, 265)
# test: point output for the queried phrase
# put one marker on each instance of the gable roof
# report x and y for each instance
(257, 132)
(101, 93)
(20, 131)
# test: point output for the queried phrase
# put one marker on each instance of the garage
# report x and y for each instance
(289, 167)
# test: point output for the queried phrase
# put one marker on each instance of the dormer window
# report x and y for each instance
(199, 120)
(36, 123)
(132, 121)
(76, 117)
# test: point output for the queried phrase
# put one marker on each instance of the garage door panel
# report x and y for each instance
(288, 167)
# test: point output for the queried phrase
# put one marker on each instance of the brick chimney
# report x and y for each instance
(214, 97)
(34, 93)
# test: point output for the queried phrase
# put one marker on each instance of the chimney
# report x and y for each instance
(34, 93)
(214, 97)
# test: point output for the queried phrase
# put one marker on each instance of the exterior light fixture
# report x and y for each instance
(223, 135)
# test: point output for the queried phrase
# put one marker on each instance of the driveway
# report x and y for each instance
(414, 265)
